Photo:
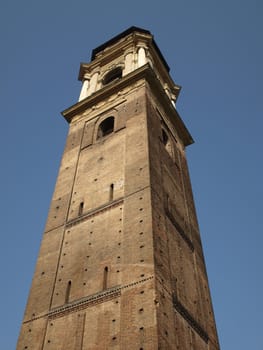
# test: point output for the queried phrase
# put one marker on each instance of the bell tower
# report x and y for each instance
(121, 263)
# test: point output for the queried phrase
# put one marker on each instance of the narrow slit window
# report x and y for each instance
(105, 277)
(111, 192)
(164, 137)
(68, 292)
(81, 207)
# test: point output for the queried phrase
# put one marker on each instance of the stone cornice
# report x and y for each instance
(117, 46)
(132, 30)
(118, 49)
(143, 73)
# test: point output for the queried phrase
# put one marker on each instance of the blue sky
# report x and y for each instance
(215, 52)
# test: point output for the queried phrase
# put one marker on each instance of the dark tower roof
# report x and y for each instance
(122, 35)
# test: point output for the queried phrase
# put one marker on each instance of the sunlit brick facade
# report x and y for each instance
(121, 263)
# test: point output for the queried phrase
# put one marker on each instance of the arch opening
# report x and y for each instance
(112, 75)
(106, 127)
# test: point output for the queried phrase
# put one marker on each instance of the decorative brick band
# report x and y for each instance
(186, 314)
(94, 212)
(91, 300)
(189, 318)
(180, 230)
(83, 304)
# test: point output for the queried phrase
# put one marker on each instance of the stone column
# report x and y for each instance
(93, 83)
(141, 57)
(129, 63)
(84, 90)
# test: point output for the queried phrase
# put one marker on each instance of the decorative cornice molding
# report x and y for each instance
(145, 72)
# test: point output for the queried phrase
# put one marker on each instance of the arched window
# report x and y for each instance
(106, 127)
(167, 142)
(112, 75)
